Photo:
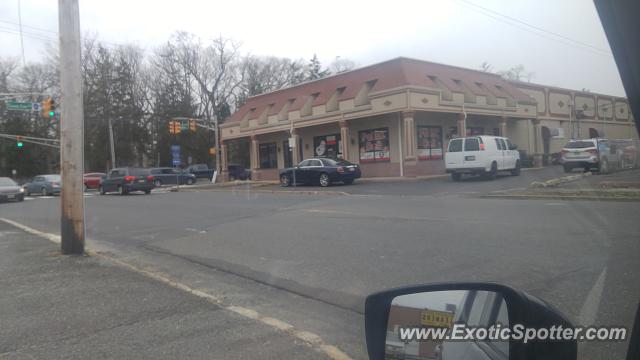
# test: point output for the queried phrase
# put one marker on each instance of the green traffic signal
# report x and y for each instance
(20, 144)
(52, 114)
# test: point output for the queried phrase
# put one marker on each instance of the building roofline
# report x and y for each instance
(399, 58)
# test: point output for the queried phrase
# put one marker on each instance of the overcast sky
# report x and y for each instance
(568, 48)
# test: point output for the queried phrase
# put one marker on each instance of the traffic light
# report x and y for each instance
(48, 108)
(184, 125)
(171, 130)
(192, 125)
(19, 142)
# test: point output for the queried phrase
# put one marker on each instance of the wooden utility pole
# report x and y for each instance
(71, 129)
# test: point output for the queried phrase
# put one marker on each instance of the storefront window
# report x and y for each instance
(268, 156)
(374, 145)
(429, 142)
(475, 131)
(327, 146)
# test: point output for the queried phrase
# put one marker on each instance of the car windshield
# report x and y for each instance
(7, 182)
(272, 165)
(579, 144)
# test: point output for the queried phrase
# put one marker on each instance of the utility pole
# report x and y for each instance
(217, 142)
(72, 228)
(113, 149)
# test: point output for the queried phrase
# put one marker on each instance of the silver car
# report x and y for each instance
(43, 185)
(9, 190)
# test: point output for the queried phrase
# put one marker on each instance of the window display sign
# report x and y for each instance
(374, 145)
(327, 146)
(429, 142)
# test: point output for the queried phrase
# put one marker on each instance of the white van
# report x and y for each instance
(481, 155)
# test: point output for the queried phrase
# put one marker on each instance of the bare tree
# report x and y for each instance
(341, 65)
(518, 73)
(486, 67)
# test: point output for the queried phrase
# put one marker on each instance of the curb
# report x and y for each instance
(266, 191)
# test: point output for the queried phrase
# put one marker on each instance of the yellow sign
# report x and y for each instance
(212, 151)
(436, 318)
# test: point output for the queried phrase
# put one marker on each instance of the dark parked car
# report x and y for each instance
(126, 180)
(167, 176)
(9, 190)
(238, 172)
(323, 171)
(201, 171)
(43, 184)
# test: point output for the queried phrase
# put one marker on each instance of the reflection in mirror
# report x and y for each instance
(420, 325)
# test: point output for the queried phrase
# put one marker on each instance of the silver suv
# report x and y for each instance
(580, 154)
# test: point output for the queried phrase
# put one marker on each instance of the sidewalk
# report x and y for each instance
(78, 307)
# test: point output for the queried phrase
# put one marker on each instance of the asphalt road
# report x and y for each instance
(311, 259)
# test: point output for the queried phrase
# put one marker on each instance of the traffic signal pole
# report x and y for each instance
(72, 229)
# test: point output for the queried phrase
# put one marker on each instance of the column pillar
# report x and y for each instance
(224, 171)
(345, 136)
(537, 143)
(254, 155)
(295, 156)
(462, 125)
(409, 135)
(503, 126)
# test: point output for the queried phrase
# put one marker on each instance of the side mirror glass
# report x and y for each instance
(434, 322)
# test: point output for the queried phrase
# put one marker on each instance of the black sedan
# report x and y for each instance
(323, 171)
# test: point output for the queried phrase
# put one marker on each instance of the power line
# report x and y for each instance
(26, 34)
(29, 26)
(550, 35)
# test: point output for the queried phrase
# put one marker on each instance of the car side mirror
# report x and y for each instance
(513, 147)
(432, 321)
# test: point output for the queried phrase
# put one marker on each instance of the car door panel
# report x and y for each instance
(315, 170)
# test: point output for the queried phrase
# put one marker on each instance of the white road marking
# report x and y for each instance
(314, 340)
(591, 304)
(555, 204)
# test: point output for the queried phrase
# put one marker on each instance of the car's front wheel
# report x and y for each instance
(26, 191)
(285, 180)
(324, 180)
(44, 191)
(189, 181)
(122, 191)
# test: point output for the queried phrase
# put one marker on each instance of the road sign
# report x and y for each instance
(175, 155)
(36, 107)
(19, 106)
(437, 318)
(212, 151)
